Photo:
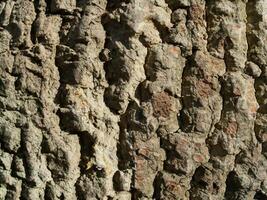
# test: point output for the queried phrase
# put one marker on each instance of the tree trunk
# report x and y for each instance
(133, 99)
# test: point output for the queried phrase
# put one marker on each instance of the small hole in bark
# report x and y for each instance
(260, 196)
(215, 188)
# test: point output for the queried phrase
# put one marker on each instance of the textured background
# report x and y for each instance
(133, 99)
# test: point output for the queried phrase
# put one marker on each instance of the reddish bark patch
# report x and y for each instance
(173, 186)
(174, 50)
(140, 170)
(237, 91)
(204, 89)
(162, 104)
(198, 158)
(231, 128)
(196, 14)
(144, 152)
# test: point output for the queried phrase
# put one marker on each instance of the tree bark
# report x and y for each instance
(133, 99)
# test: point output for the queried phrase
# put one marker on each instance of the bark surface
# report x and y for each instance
(133, 99)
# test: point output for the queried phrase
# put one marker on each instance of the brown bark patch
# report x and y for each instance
(162, 104)
(199, 158)
(231, 128)
(204, 89)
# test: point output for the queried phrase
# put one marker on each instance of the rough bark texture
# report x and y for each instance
(133, 99)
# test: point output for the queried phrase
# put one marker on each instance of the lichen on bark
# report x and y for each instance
(133, 99)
